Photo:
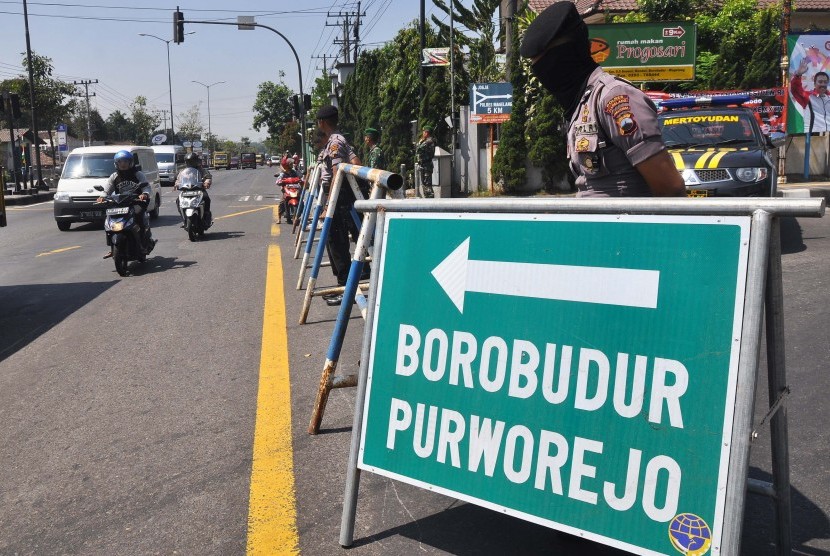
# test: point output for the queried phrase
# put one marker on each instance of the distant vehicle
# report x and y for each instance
(221, 160)
(260, 159)
(170, 160)
(234, 163)
(275, 160)
(247, 160)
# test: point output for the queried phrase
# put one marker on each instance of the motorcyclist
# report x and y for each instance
(287, 172)
(192, 160)
(125, 171)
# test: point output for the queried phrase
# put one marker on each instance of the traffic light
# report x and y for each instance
(307, 102)
(178, 26)
(14, 101)
(295, 100)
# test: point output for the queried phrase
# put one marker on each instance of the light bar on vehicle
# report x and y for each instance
(691, 102)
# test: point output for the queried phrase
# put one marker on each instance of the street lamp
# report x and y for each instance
(210, 134)
(169, 80)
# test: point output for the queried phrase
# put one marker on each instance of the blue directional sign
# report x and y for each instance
(490, 103)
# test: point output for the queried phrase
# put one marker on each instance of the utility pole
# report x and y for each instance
(350, 31)
(163, 113)
(420, 58)
(86, 83)
(508, 12)
(324, 57)
(32, 99)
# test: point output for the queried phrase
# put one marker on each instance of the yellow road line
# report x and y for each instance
(59, 251)
(272, 514)
(243, 212)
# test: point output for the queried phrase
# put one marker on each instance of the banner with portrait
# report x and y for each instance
(807, 110)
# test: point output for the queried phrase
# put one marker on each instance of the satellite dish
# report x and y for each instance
(159, 139)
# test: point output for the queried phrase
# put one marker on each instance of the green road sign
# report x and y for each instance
(576, 371)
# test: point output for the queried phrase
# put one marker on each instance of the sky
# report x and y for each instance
(100, 39)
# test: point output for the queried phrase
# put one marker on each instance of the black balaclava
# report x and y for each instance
(564, 69)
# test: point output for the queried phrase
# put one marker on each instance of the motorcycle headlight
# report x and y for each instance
(117, 226)
(61, 196)
(750, 175)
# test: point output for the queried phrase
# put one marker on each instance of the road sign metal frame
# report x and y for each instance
(763, 294)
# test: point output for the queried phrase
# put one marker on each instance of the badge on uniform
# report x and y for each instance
(590, 163)
(585, 113)
(582, 145)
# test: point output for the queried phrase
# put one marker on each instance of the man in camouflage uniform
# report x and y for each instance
(425, 151)
(375, 158)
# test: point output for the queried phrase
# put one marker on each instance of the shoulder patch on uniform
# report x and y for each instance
(626, 123)
(617, 103)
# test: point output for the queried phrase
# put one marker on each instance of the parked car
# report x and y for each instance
(719, 147)
(234, 163)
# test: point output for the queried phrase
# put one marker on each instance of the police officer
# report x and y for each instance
(615, 147)
(375, 158)
(336, 151)
(425, 151)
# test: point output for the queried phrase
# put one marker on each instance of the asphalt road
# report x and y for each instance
(128, 406)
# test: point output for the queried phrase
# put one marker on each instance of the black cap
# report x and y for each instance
(327, 112)
(558, 19)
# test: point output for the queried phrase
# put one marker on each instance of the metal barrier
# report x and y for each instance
(307, 194)
(382, 182)
(758, 297)
(350, 172)
(315, 197)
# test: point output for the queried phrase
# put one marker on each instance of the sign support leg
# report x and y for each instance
(747, 379)
(352, 472)
(777, 382)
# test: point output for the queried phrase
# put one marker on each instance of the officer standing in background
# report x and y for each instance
(375, 158)
(336, 151)
(425, 151)
(615, 147)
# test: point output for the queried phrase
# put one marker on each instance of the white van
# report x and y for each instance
(87, 167)
(170, 160)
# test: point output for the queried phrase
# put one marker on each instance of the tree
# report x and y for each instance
(478, 20)
(118, 127)
(289, 139)
(509, 161)
(54, 99)
(320, 93)
(190, 124)
(144, 121)
(273, 108)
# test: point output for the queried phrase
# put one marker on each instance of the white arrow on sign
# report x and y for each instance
(457, 274)
(478, 98)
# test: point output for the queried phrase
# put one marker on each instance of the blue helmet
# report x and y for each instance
(125, 156)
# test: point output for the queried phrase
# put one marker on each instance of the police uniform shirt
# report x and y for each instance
(613, 129)
(337, 150)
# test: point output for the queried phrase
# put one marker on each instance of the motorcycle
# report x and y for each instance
(124, 237)
(191, 203)
(290, 196)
